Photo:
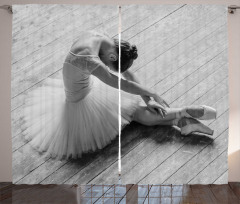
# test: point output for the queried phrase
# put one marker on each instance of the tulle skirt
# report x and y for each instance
(65, 129)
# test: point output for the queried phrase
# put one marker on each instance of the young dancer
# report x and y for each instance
(81, 114)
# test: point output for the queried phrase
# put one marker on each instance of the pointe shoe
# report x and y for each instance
(189, 125)
(199, 112)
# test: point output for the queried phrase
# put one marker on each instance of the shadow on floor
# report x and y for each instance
(164, 134)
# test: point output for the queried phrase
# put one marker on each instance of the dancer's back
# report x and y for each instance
(81, 60)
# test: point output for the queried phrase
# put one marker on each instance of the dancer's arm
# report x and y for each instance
(132, 77)
(128, 86)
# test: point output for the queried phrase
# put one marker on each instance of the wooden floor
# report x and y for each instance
(182, 55)
(122, 194)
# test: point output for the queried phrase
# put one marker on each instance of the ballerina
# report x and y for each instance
(79, 114)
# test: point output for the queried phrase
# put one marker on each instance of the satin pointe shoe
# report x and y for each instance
(201, 112)
(190, 125)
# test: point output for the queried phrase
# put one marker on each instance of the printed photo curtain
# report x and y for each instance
(65, 120)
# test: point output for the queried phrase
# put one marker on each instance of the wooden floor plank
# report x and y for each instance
(172, 39)
(44, 194)
(22, 13)
(55, 19)
(146, 147)
(142, 150)
(235, 188)
(137, 26)
(178, 60)
(137, 148)
(76, 172)
(149, 134)
(6, 196)
(223, 193)
(60, 172)
(57, 31)
(6, 192)
(4, 185)
(191, 85)
(191, 168)
(147, 74)
(28, 26)
(204, 193)
(177, 19)
(40, 71)
(132, 194)
(33, 63)
(22, 165)
(222, 179)
(59, 47)
(187, 67)
(200, 90)
(169, 165)
(207, 175)
(53, 171)
(174, 146)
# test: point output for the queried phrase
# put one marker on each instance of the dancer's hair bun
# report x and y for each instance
(133, 52)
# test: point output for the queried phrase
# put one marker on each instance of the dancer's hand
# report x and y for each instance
(156, 108)
(160, 100)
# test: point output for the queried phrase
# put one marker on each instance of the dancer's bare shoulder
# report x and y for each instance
(88, 43)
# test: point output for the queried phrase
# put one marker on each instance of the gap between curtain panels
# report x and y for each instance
(119, 93)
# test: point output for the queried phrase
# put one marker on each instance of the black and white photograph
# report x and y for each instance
(173, 105)
(183, 58)
(64, 119)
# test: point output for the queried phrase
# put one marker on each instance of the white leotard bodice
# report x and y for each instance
(77, 71)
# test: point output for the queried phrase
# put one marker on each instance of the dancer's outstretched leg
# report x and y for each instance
(201, 112)
(187, 125)
(198, 112)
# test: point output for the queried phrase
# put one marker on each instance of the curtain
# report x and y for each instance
(65, 96)
(182, 56)
(42, 38)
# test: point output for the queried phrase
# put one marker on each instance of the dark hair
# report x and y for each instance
(128, 54)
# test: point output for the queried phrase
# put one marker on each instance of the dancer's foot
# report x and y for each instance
(189, 125)
(199, 112)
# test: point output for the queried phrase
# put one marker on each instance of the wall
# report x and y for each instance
(5, 77)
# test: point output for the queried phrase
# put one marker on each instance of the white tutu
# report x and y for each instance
(68, 129)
